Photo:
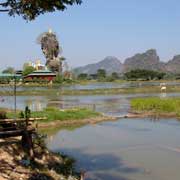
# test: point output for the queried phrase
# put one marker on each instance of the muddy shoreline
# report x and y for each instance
(137, 114)
(100, 119)
(94, 120)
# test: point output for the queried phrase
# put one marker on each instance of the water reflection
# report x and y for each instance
(35, 104)
(129, 149)
(99, 85)
(163, 95)
(105, 166)
(115, 105)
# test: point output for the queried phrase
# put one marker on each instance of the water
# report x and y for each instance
(109, 85)
(110, 104)
(128, 149)
(137, 149)
(91, 86)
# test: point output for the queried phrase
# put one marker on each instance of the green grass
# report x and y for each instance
(53, 114)
(157, 105)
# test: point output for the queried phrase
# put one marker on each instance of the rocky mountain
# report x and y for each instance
(148, 60)
(110, 64)
(173, 65)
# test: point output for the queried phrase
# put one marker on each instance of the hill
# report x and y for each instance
(110, 64)
(173, 65)
(148, 60)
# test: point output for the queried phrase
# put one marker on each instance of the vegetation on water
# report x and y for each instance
(53, 114)
(156, 105)
(62, 115)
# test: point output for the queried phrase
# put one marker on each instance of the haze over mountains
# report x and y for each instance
(110, 64)
(148, 60)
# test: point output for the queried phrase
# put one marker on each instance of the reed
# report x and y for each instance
(157, 105)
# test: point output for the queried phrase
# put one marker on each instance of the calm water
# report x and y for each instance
(128, 149)
(110, 104)
(99, 85)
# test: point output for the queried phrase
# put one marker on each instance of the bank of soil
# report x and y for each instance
(142, 114)
(15, 165)
(92, 120)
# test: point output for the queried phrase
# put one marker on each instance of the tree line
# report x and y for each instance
(101, 75)
(133, 75)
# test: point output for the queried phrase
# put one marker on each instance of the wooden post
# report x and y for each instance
(27, 143)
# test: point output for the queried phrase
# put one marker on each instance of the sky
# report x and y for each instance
(96, 29)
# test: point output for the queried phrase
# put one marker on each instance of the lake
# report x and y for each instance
(91, 86)
(127, 149)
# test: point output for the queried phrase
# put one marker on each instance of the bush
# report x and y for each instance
(3, 115)
(58, 79)
(83, 76)
(28, 70)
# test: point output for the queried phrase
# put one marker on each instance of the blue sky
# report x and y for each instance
(94, 30)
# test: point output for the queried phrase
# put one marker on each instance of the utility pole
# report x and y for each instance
(15, 96)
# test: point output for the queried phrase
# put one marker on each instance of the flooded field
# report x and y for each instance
(110, 104)
(128, 149)
(91, 86)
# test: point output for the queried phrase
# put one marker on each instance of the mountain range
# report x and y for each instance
(148, 60)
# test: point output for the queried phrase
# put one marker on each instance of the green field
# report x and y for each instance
(156, 105)
(53, 114)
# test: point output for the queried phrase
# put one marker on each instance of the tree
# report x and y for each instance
(83, 76)
(25, 65)
(9, 70)
(28, 70)
(101, 74)
(30, 9)
(58, 79)
(143, 74)
(115, 75)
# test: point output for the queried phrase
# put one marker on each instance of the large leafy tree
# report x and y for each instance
(30, 9)
(9, 70)
(101, 73)
(28, 70)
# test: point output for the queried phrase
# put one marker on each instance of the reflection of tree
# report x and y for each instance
(35, 104)
(10, 90)
(100, 166)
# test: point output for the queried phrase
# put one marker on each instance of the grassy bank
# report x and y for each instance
(55, 114)
(169, 106)
(56, 118)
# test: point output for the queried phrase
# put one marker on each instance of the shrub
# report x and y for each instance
(3, 114)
